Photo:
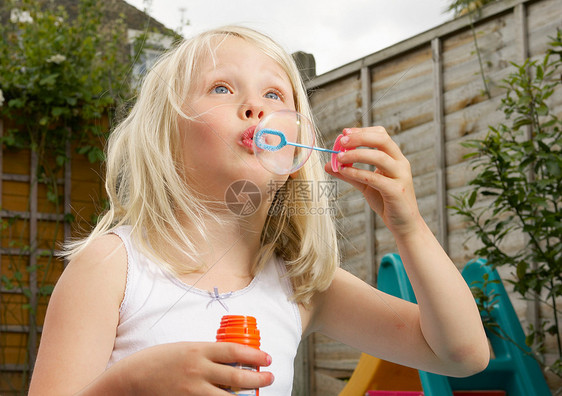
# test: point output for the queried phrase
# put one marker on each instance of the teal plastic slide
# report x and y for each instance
(512, 368)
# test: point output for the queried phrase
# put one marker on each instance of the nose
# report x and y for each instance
(250, 110)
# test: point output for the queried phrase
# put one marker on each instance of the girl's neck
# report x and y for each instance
(228, 255)
(235, 243)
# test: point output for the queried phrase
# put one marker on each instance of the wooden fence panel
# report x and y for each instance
(33, 229)
(428, 92)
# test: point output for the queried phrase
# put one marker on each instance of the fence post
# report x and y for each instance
(67, 192)
(366, 120)
(33, 180)
(440, 165)
(520, 16)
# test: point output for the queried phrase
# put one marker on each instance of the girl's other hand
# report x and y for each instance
(187, 368)
(389, 189)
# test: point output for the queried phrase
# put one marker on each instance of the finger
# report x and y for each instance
(358, 185)
(239, 376)
(374, 137)
(229, 352)
(379, 159)
(367, 178)
(226, 354)
(212, 389)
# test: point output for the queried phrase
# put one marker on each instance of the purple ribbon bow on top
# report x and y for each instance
(215, 296)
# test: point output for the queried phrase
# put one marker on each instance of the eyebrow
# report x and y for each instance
(226, 67)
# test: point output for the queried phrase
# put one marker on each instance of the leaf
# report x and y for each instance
(524, 100)
(6, 282)
(83, 149)
(553, 168)
(530, 339)
(57, 111)
(16, 103)
(46, 290)
(542, 110)
(69, 218)
(521, 122)
(26, 292)
(51, 79)
(540, 72)
(61, 160)
(521, 270)
(469, 155)
(95, 155)
(52, 197)
(472, 198)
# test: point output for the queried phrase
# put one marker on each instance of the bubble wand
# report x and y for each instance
(259, 139)
(270, 139)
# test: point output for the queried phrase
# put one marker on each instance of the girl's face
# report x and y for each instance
(237, 88)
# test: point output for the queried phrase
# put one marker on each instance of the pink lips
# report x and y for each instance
(248, 136)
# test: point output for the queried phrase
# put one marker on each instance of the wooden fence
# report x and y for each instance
(428, 93)
(32, 230)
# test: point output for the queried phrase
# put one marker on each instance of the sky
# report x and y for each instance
(336, 32)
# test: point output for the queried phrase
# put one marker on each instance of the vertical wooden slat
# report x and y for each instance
(1, 192)
(439, 129)
(366, 120)
(1, 174)
(304, 369)
(522, 31)
(32, 341)
(67, 192)
(522, 39)
(1, 160)
(311, 369)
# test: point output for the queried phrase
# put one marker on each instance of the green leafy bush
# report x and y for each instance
(520, 170)
(59, 76)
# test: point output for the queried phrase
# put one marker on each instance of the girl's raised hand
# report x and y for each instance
(389, 189)
(187, 368)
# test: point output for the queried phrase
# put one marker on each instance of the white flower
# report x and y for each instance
(1, 98)
(58, 59)
(19, 16)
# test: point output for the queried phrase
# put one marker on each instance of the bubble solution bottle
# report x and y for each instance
(241, 330)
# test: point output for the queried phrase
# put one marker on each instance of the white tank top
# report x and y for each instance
(158, 308)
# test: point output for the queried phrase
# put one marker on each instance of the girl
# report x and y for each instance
(137, 308)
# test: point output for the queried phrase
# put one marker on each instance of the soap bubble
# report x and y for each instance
(278, 141)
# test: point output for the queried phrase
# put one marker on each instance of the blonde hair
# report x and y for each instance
(147, 188)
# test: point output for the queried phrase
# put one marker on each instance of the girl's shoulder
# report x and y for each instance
(103, 263)
(104, 250)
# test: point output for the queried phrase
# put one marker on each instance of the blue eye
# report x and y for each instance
(272, 95)
(221, 89)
